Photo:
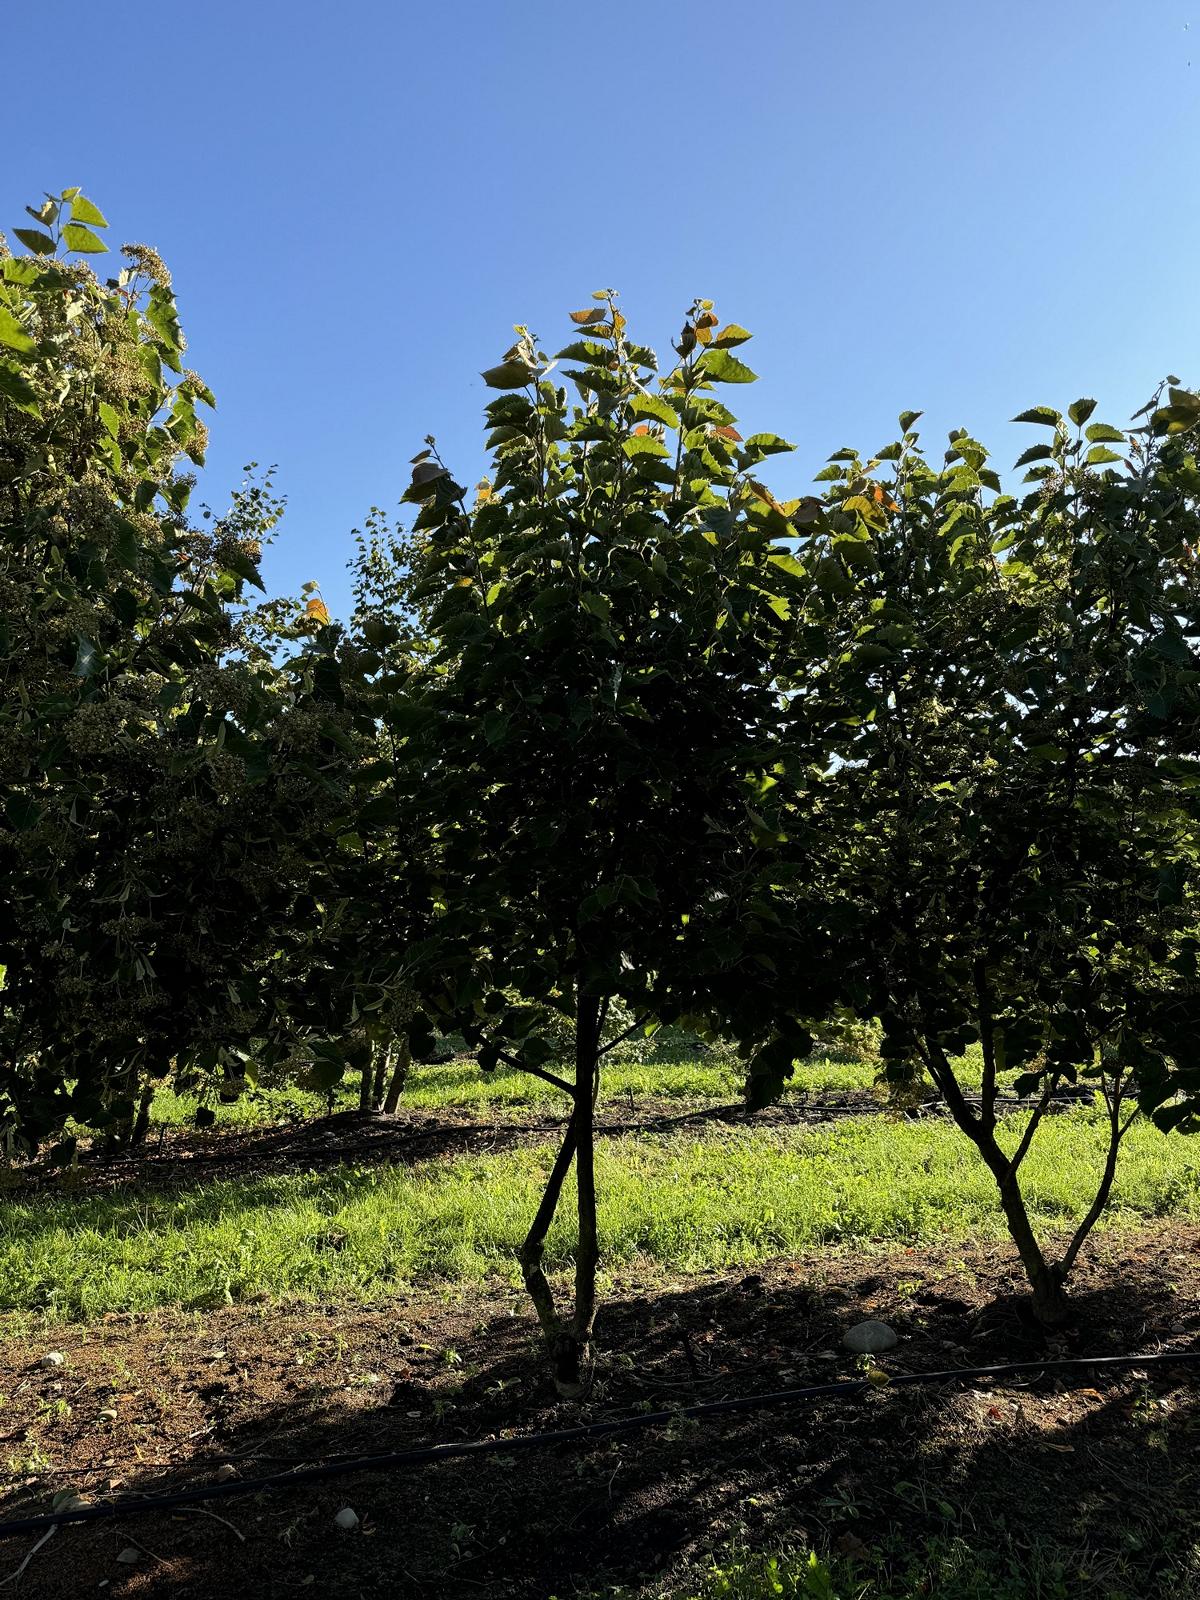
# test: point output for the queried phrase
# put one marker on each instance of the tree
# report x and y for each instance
(152, 778)
(593, 744)
(1009, 688)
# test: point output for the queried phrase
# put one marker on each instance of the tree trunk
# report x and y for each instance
(364, 1087)
(403, 1060)
(141, 1123)
(1050, 1304)
(532, 1253)
(574, 1358)
(383, 1054)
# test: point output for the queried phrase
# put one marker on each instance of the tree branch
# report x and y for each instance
(536, 1072)
(1035, 1116)
(628, 1034)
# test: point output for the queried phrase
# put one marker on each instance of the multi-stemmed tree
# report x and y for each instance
(594, 745)
(1010, 687)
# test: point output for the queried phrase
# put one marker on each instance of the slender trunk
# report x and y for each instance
(364, 1087)
(532, 1253)
(1050, 1305)
(573, 1368)
(141, 1123)
(403, 1059)
(383, 1055)
(1117, 1131)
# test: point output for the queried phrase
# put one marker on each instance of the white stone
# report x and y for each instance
(870, 1338)
(346, 1519)
(130, 1555)
(54, 1358)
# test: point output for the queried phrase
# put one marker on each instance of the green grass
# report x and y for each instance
(999, 1566)
(731, 1198)
(460, 1083)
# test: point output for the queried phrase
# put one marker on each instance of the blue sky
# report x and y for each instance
(967, 208)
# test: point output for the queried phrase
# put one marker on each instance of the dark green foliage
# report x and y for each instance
(147, 786)
(1009, 689)
(595, 735)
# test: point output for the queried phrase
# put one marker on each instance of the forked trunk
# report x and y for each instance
(569, 1341)
(1050, 1304)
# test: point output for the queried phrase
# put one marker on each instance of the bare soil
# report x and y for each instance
(1109, 1471)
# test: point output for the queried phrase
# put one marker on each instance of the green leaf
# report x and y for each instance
(1081, 411)
(730, 335)
(583, 350)
(77, 237)
(1046, 416)
(13, 334)
(789, 564)
(239, 563)
(110, 419)
(34, 239)
(724, 368)
(1099, 454)
(83, 210)
(653, 405)
(644, 444)
(20, 269)
(1102, 433)
(1036, 452)
(907, 418)
(15, 387)
(509, 375)
(767, 444)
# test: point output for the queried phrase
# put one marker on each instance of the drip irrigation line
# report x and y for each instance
(425, 1455)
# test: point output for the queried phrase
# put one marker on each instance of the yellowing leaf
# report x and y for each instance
(317, 611)
(594, 314)
(728, 433)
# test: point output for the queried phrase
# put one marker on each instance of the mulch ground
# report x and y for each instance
(1109, 1471)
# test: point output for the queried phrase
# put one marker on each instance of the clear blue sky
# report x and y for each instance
(967, 208)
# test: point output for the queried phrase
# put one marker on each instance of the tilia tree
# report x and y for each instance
(595, 741)
(1010, 685)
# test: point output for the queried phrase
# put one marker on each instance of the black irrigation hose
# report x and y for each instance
(426, 1454)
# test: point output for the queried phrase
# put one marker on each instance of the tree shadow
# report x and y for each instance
(1105, 1471)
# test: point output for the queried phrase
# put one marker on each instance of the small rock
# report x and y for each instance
(130, 1556)
(346, 1519)
(108, 1414)
(226, 1471)
(53, 1358)
(869, 1338)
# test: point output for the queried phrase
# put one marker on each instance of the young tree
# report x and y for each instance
(1010, 688)
(594, 743)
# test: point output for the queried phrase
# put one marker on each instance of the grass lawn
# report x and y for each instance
(685, 1202)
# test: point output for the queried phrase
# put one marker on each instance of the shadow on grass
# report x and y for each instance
(1096, 1486)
